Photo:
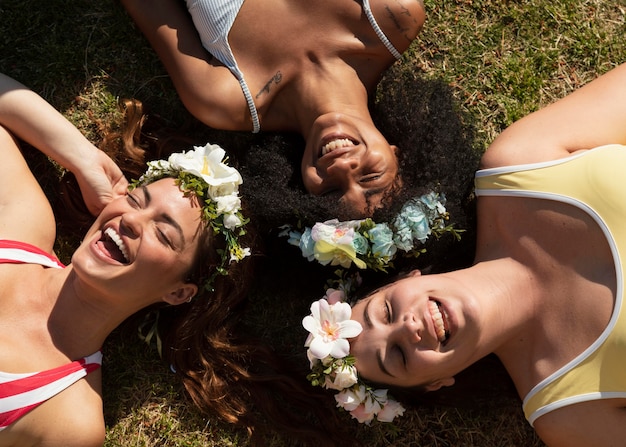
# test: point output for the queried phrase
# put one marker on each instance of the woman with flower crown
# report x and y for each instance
(174, 244)
(176, 237)
(304, 67)
(545, 292)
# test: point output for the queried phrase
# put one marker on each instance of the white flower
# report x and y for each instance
(342, 377)
(335, 243)
(206, 163)
(238, 253)
(389, 411)
(231, 221)
(329, 327)
(230, 203)
(349, 399)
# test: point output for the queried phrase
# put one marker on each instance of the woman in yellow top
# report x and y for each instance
(546, 290)
(280, 65)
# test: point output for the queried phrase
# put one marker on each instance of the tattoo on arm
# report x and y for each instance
(274, 80)
(403, 11)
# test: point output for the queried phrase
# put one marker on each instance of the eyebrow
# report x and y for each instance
(169, 219)
(379, 357)
(372, 192)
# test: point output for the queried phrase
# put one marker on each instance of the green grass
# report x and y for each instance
(504, 59)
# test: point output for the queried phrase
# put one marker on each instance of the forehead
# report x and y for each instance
(167, 198)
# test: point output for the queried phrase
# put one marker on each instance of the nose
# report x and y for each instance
(411, 327)
(342, 167)
(342, 173)
(130, 224)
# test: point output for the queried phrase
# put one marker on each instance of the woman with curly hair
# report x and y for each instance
(304, 67)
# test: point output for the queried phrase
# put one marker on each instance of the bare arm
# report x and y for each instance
(592, 116)
(206, 87)
(401, 20)
(29, 117)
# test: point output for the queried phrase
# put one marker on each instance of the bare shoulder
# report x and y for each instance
(401, 20)
(529, 140)
(590, 117)
(598, 423)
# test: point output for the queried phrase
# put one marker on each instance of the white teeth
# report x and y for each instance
(341, 142)
(118, 241)
(440, 328)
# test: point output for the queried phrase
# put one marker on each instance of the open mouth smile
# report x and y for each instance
(336, 143)
(114, 246)
(440, 320)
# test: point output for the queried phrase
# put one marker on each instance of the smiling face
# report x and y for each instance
(416, 331)
(349, 157)
(142, 244)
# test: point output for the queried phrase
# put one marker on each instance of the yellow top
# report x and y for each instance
(595, 182)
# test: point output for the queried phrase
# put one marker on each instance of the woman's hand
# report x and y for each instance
(29, 117)
(100, 181)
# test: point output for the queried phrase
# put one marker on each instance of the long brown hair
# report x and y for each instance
(225, 372)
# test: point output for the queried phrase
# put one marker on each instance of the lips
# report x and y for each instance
(440, 320)
(112, 244)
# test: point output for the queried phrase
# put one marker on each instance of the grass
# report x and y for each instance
(504, 59)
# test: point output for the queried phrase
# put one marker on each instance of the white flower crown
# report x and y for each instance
(332, 366)
(203, 171)
(368, 244)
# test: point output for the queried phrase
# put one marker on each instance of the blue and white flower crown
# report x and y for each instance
(368, 244)
(203, 171)
(332, 366)
(365, 244)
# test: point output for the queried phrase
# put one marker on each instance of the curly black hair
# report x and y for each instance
(436, 152)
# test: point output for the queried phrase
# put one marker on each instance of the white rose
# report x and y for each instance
(228, 204)
(389, 411)
(349, 399)
(344, 377)
(231, 221)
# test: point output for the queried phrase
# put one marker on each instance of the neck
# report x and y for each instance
(506, 303)
(81, 318)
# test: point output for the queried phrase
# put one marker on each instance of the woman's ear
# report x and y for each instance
(440, 383)
(183, 294)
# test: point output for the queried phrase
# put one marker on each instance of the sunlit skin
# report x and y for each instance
(400, 345)
(358, 171)
(312, 82)
(160, 228)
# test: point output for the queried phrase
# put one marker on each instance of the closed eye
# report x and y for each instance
(371, 178)
(135, 202)
(387, 314)
(163, 238)
(401, 352)
(132, 200)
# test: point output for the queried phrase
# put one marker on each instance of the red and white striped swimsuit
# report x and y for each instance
(20, 393)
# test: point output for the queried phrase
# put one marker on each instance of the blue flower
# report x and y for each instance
(382, 241)
(360, 244)
(307, 245)
(412, 223)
